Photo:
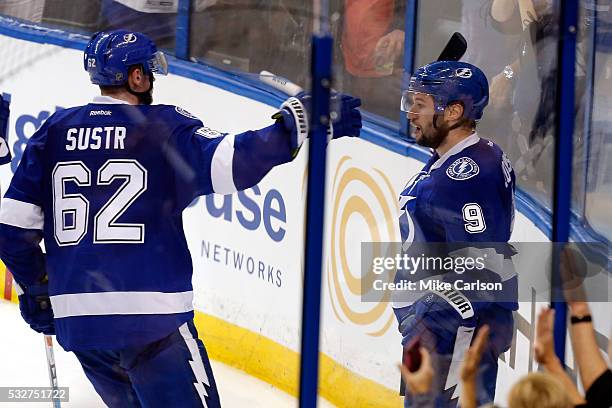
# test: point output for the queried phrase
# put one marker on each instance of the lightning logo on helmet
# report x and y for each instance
(129, 38)
(463, 72)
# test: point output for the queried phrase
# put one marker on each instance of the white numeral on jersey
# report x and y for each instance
(107, 230)
(474, 219)
(71, 211)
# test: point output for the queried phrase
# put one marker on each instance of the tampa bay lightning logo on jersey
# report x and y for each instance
(462, 169)
(185, 113)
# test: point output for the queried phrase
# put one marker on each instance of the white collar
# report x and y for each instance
(467, 142)
(108, 100)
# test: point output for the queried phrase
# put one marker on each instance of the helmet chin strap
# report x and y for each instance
(146, 97)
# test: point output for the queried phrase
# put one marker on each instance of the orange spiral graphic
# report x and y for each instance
(345, 289)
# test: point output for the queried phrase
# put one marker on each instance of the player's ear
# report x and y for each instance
(138, 74)
(454, 111)
(136, 77)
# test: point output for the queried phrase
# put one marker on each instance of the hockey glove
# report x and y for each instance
(295, 111)
(435, 318)
(35, 306)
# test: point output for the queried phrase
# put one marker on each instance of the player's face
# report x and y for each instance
(421, 114)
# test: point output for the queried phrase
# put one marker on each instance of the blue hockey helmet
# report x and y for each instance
(109, 56)
(448, 82)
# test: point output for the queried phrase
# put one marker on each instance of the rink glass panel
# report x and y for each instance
(248, 36)
(88, 16)
(593, 150)
(360, 343)
(592, 187)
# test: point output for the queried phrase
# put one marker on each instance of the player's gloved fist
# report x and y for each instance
(35, 306)
(436, 320)
(346, 118)
(295, 114)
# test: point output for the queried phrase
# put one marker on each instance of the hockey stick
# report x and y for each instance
(454, 49)
(280, 83)
(52, 370)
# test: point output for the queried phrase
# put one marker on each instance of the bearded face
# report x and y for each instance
(428, 128)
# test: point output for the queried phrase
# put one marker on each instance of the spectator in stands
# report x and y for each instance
(539, 390)
(372, 44)
(596, 376)
(469, 369)
(492, 45)
(372, 39)
(31, 10)
(546, 357)
(419, 381)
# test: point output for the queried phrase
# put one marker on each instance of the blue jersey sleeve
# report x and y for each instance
(225, 163)
(5, 153)
(21, 215)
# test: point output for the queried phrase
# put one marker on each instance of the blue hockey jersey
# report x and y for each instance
(465, 198)
(460, 205)
(105, 185)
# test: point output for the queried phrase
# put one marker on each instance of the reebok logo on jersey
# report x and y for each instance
(185, 113)
(100, 113)
(209, 133)
(462, 169)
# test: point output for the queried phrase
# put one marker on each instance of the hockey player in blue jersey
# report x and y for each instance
(105, 185)
(464, 198)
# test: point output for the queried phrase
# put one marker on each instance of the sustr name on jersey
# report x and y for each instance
(96, 138)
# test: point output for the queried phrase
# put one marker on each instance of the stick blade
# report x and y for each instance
(455, 48)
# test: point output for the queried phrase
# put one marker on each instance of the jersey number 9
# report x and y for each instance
(474, 219)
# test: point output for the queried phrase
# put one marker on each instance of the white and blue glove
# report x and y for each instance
(295, 111)
(435, 319)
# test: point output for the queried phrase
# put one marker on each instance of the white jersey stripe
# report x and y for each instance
(21, 214)
(196, 363)
(462, 344)
(221, 171)
(121, 303)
